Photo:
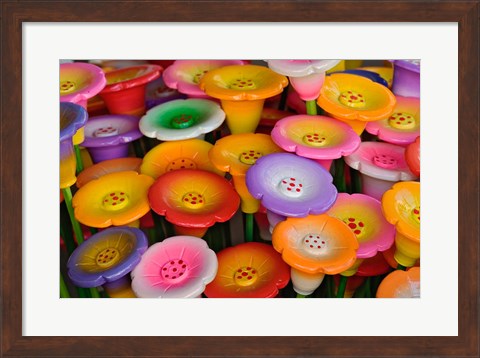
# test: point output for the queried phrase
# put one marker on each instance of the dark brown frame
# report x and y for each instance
(14, 13)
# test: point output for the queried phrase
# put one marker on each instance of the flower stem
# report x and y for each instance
(300, 295)
(63, 288)
(78, 158)
(94, 292)
(248, 227)
(137, 147)
(342, 286)
(339, 179)
(311, 107)
(67, 194)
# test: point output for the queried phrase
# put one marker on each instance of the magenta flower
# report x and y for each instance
(315, 137)
(177, 267)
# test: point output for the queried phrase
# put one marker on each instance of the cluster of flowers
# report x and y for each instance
(175, 147)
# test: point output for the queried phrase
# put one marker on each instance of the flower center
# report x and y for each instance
(249, 157)
(357, 226)
(105, 132)
(314, 244)
(182, 121)
(385, 161)
(242, 84)
(193, 200)
(416, 214)
(291, 187)
(245, 276)
(115, 200)
(352, 99)
(198, 76)
(314, 139)
(402, 121)
(183, 163)
(67, 87)
(107, 257)
(174, 269)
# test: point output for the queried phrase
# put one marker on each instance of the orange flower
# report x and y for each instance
(235, 154)
(242, 90)
(401, 207)
(352, 98)
(314, 246)
(249, 270)
(106, 167)
(113, 199)
(193, 200)
(401, 284)
(182, 154)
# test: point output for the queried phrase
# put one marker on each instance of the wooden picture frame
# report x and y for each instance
(15, 13)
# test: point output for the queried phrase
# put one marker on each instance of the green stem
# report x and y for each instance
(339, 179)
(67, 195)
(63, 288)
(401, 267)
(300, 295)
(78, 157)
(311, 107)
(66, 230)
(342, 286)
(283, 99)
(94, 292)
(137, 147)
(248, 227)
(83, 292)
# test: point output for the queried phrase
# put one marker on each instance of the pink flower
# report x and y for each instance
(177, 267)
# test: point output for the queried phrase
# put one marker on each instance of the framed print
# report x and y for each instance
(443, 322)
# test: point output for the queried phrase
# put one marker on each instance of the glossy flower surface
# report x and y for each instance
(249, 270)
(351, 97)
(80, 81)
(401, 207)
(113, 199)
(177, 267)
(402, 126)
(400, 284)
(316, 244)
(182, 154)
(106, 256)
(185, 75)
(182, 119)
(72, 118)
(106, 167)
(315, 137)
(363, 215)
(193, 198)
(290, 185)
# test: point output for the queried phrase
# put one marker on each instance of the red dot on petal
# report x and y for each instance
(298, 190)
(164, 269)
(292, 184)
(253, 271)
(172, 262)
(249, 277)
(352, 225)
(114, 203)
(307, 240)
(122, 199)
(360, 224)
(311, 245)
(112, 194)
(194, 202)
(289, 189)
(183, 266)
(244, 274)
(239, 277)
(115, 198)
(351, 219)
(319, 247)
(292, 179)
(357, 232)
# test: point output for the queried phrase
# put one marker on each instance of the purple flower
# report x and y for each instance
(106, 256)
(290, 185)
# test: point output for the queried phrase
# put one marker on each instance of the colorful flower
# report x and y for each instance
(108, 137)
(242, 91)
(356, 100)
(270, 116)
(72, 118)
(157, 93)
(315, 137)
(182, 154)
(385, 72)
(401, 207)
(406, 78)
(306, 76)
(314, 246)
(177, 267)
(107, 257)
(193, 200)
(106, 167)
(185, 75)
(380, 165)
(182, 119)
(363, 215)
(400, 284)
(235, 154)
(80, 81)
(290, 185)
(125, 89)
(374, 266)
(412, 156)
(249, 270)
(403, 125)
(113, 199)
